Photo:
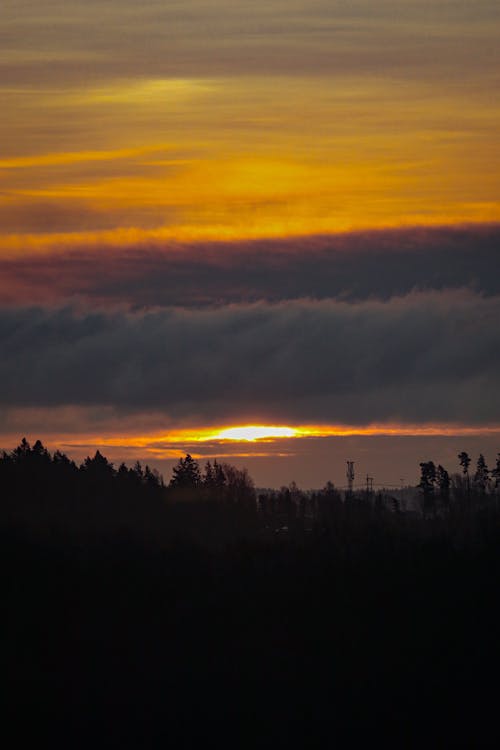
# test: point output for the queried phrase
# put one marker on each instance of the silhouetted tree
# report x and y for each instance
(495, 473)
(61, 459)
(22, 451)
(40, 452)
(214, 477)
(426, 484)
(122, 471)
(443, 482)
(239, 486)
(98, 467)
(328, 504)
(214, 482)
(186, 474)
(464, 460)
(208, 477)
(152, 478)
(137, 471)
(482, 475)
(219, 477)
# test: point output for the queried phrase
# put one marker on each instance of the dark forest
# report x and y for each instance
(202, 610)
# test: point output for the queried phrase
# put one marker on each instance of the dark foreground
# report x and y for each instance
(136, 615)
(258, 641)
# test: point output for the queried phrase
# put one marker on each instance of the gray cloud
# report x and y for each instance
(352, 267)
(422, 357)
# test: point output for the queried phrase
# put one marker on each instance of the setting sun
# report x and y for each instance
(252, 433)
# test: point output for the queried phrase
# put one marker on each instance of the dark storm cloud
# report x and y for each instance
(424, 357)
(354, 266)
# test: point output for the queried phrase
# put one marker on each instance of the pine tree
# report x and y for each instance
(23, 450)
(443, 481)
(464, 463)
(99, 468)
(186, 473)
(496, 472)
(219, 476)
(426, 484)
(482, 474)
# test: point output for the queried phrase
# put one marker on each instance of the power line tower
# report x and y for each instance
(369, 485)
(350, 477)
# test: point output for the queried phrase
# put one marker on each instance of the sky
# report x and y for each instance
(218, 214)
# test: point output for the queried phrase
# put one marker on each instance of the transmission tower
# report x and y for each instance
(350, 476)
(369, 485)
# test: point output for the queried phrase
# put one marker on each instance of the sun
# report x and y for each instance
(252, 433)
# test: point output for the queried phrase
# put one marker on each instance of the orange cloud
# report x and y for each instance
(267, 158)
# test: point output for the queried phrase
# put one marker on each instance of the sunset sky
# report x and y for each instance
(283, 214)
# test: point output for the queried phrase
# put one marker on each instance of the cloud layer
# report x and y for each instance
(354, 267)
(240, 119)
(84, 40)
(422, 357)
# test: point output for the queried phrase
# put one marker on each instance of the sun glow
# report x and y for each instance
(237, 441)
(177, 441)
(252, 433)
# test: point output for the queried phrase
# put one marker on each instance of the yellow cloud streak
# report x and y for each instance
(177, 91)
(75, 157)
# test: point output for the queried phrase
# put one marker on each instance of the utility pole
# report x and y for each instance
(369, 485)
(350, 477)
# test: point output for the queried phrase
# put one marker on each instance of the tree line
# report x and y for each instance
(45, 491)
(35, 469)
(48, 493)
(439, 489)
